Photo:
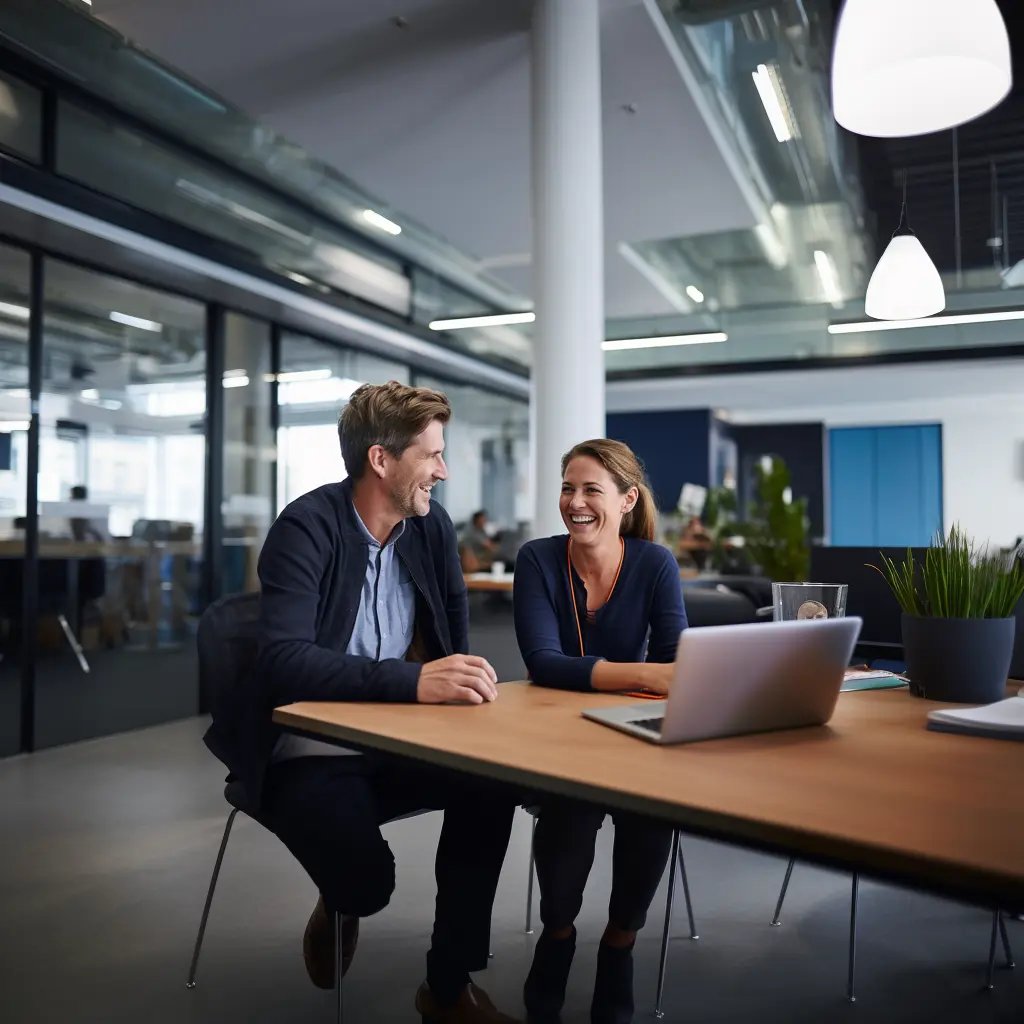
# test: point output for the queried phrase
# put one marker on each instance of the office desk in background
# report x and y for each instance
(872, 791)
(73, 552)
(487, 582)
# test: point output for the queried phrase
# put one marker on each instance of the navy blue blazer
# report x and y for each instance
(641, 622)
(311, 571)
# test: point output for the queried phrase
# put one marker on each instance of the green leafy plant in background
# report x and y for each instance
(777, 529)
(958, 580)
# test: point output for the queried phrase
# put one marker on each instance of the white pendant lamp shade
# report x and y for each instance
(908, 67)
(905, 284)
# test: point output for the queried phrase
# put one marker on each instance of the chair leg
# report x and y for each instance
(775, 922)
(1006, 941)
(989, 984)
(529, 882)
(191, 983)
(76, 647)
(337, 966)
(852, 964)
(658, 1012)
(686, 890)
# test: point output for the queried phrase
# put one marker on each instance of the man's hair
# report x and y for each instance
(479, 514)
(390, 415)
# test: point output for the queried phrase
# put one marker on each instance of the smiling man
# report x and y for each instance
(363, 599)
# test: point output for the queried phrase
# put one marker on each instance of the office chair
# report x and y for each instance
(998, 924)
(675, 858)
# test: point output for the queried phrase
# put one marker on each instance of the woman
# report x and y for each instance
(584, 606)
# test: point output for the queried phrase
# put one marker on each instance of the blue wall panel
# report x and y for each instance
(673, 445)
(886, 485)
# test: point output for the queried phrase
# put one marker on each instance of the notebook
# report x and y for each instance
(1003, 720)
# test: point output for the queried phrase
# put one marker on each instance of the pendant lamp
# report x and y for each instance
(909, 67)
(905, 284)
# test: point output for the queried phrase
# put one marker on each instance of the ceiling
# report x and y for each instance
(991, 170)
(426, 104)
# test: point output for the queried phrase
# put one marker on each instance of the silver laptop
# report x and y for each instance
(746, 678)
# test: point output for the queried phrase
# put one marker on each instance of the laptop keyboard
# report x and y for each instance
(654, 724)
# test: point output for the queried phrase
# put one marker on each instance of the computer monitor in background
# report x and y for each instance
(869, 595)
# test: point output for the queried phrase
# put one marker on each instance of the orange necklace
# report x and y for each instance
(572, 593)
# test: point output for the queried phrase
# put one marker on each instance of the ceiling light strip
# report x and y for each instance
(495, 320)
(947, 320)
(664, 341)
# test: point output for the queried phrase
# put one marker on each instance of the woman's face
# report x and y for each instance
(591, 505)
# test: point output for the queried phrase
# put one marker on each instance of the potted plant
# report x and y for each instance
(958, 618)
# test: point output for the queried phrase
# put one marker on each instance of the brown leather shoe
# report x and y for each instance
(472, 1007)
(318, 945)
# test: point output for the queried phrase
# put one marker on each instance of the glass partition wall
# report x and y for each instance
(122, 462)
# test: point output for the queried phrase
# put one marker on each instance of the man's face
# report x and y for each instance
(411, 478)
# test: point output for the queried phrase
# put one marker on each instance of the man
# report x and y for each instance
(478, 548)
(363, 599)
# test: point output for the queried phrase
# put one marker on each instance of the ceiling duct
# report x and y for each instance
(700, 12)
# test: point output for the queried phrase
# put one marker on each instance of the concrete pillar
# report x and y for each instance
(568, 241)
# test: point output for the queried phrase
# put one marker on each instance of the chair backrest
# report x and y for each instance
(227, 644)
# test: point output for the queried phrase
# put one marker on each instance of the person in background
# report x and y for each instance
(362, 599)
(585, 605)
(478, 548)
(694, 544)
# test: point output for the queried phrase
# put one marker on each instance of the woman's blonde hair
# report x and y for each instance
(627, 471)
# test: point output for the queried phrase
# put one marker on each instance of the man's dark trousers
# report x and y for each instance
(328, 812)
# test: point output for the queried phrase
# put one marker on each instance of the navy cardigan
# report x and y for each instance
(311, 570)
(641, 622)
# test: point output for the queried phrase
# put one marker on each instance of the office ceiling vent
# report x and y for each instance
(699, 12)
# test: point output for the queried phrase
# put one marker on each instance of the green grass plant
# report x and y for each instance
(957, 580)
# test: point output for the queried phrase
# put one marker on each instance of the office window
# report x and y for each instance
(21, 118)
(315, 383)
(121, 489)
(14, 414)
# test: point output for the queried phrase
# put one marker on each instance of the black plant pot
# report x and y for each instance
(963, 660)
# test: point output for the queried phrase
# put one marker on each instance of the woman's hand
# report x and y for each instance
(657, 676)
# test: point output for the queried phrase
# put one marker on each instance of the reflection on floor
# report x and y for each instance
(106, 848)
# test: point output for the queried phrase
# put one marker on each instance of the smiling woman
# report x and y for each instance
(601, 609)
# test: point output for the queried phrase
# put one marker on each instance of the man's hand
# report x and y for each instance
(459, 678)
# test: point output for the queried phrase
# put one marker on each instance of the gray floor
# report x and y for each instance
(106, 848)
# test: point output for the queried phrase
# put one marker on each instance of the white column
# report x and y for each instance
(568, 242)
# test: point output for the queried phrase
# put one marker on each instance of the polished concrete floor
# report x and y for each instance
(106, 848)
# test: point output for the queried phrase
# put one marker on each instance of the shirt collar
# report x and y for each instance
(369, 537)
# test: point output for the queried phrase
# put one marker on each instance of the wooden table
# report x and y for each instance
(489, 582)
(873, 790)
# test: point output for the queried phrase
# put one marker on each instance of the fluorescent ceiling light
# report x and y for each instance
(497, 320)
(773, 97)
(9, 425)
(89, 395)
(828, 277)
(380, 221)
(235, 379)
(902, 68)
(18, 312)
(293, 375)
(136, 321)
(695, 293)
(17, 393)
(665, 341)
(948, 320)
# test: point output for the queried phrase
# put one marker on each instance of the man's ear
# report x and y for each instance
(376, 457)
